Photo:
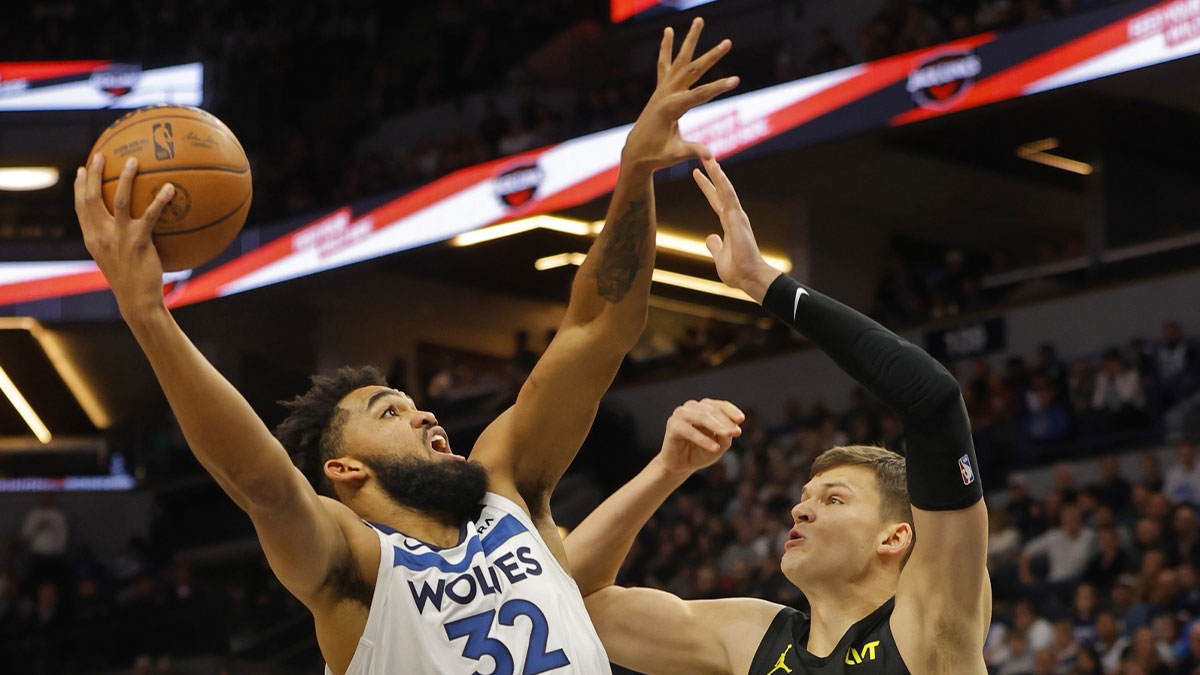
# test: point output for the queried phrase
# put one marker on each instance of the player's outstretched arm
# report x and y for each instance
(697, 434)
(943, 597)
(531, 444)
(302, 540)
(653, 631)
(689, 637)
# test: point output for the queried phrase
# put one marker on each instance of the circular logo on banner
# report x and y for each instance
(517, 185)
(942, 80)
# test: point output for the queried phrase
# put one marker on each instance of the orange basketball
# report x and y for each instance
(200, 156)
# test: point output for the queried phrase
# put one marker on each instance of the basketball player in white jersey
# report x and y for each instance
(411, 559)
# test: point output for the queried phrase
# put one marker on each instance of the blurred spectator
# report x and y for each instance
(1145, 652)
(1004, 540)
(1184, 541)
(1176, 365)
(1087, 662)
(1048, 419)
(1113, 489)
(1119, 392)
(1182, 481)
(1081, 392)
(1052, 368)
(1024, 511)
(1189, 654)
(1152, 477)
(1084, 607)
(1108, 562)
(1046, 662)
(1110, 644)
(45, 534)
(1067, 549)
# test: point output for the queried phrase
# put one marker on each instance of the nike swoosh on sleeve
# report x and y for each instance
(796, 303)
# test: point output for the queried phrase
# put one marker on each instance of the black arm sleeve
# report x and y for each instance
(941, 465)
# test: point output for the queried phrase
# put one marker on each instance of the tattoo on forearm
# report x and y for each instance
(621, 256)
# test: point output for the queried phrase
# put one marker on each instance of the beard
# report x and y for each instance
(447, 489)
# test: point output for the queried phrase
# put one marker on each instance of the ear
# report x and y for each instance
(896, 540)
(345, 471)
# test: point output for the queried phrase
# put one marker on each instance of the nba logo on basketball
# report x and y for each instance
(941, 81)
(964, 467)
(164, 141)
(517, 185)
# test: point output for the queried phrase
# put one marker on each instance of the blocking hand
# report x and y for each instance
(698, 433)
(654, 140)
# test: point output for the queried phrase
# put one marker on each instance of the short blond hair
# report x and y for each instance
(889, 471)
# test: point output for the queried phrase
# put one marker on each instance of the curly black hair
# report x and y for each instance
(310, 434)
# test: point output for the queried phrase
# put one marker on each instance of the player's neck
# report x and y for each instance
(437, 530)
(836, 607)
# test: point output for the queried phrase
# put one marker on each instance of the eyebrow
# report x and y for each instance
(827, 485)
(383, 393)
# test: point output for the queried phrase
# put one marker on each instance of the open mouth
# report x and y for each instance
(439, 442)
(794, 537)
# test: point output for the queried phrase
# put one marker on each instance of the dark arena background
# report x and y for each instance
(1010, 184)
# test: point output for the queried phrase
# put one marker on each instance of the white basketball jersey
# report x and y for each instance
(498, 603)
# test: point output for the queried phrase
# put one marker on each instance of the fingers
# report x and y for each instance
(714, 244)
(696, 69)
(706, 186)
(707, 92)
(688, 48)
(95, 176)
(164, 196)
(692, 434)
(712, 417)
(664, 52)
(730, 410)
(81, 180)
(125, 191)
(725, 192)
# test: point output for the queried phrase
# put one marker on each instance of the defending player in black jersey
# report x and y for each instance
(894, 589)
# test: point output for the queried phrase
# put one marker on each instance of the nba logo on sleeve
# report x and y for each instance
(964, 467)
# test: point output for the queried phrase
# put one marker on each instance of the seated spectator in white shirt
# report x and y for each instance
(1067, 547)
(1182, 482)
(1119, 392)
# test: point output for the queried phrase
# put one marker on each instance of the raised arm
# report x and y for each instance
(943, 597)
(698, 433)
(529, 446)
(709, 636)
(301, 538)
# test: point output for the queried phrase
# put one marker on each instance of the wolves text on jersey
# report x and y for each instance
(512, 567)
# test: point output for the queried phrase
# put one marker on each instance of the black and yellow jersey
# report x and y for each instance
(868, 648)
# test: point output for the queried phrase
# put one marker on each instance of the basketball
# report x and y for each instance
(194, 151)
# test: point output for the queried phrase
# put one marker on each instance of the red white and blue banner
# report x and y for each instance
(96, 85)
(895, 91)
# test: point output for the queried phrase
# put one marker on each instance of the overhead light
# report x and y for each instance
(661, 276)
(698, 284)
(23, 408)
(667, 241)
(545, 222)
(57, 353)
(25, 178)
(561, 260)
(1036, 151)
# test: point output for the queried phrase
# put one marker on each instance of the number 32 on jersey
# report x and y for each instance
(479, 643)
